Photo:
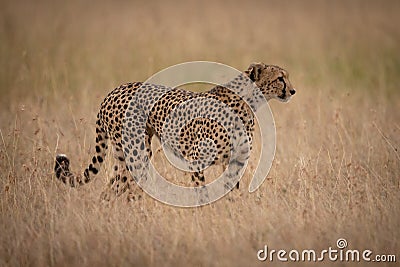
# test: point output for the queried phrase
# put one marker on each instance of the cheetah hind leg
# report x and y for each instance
(122, 180)
(125, 182)
(134, 191)
(118, 183)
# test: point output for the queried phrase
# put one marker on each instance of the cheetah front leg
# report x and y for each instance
(198, 178)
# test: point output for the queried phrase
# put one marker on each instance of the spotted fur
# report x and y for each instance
(271, 80)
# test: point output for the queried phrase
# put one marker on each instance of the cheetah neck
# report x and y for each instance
(245, 88)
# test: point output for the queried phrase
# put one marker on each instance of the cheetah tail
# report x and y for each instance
(62, 163)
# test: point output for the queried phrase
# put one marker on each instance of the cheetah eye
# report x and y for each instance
(282, 80)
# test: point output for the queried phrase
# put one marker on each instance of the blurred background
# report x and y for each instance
(336, 171)
(56, 46)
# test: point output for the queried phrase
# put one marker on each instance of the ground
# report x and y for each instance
(336, 170)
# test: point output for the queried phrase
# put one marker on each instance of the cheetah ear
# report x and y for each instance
(253, 71)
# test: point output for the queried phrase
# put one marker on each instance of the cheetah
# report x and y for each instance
(271, 80)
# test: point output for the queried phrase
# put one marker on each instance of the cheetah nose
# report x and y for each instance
(292, 92)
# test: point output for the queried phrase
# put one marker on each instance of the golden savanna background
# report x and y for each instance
(336, 172)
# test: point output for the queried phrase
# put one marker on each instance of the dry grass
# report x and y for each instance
(336, 172)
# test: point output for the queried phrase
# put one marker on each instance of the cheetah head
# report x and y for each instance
(273, 81)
